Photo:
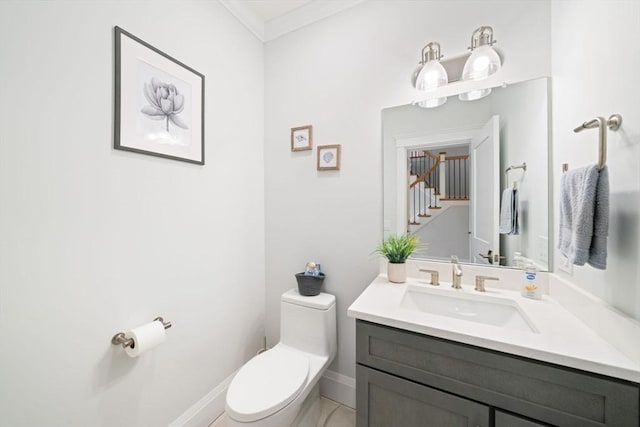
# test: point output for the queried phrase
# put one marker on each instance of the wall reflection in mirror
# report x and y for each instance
(471, 179)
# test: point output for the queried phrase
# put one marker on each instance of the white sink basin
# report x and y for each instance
(463, 305)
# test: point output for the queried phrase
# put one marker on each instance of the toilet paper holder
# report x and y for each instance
(121, 338)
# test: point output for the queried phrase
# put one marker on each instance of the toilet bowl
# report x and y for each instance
(271, 389)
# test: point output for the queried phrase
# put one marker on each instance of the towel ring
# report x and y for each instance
(523, 166)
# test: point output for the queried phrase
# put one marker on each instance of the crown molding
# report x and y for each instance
(302, 16)
(246, 16)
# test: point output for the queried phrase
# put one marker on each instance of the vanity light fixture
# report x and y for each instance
(431, 74)
(474, 94)
(484, 60)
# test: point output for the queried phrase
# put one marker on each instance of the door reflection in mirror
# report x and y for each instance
(444, 175)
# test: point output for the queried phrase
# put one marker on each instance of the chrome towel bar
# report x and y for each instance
(523, 166)
(613, 123)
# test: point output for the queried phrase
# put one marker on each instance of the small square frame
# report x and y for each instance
(302, 138)
(329, 157)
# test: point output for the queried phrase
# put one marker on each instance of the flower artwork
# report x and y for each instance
(159, 102)
(165, 103)
(329, 157)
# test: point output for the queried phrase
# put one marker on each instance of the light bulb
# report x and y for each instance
(483, 62)
(474, 94)
(432, 76)
(431, 103)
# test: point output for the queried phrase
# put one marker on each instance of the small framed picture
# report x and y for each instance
(302, 138)
(329, 157)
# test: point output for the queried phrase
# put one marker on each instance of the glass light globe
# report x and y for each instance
(432, 76)
(431, 103)
(474, 94)
(483, 62)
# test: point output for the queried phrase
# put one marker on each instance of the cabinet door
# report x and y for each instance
(384, 400)
(506, 420)
(540, 391)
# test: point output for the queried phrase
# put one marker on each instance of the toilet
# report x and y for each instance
(278, 388)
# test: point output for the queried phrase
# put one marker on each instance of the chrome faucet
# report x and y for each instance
(456, 273)
(480, 282)
(434, 276)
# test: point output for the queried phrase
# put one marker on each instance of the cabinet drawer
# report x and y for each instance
(384, 400)
(549, 393)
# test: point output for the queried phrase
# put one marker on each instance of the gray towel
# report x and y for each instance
(584, 216)
(509, 223)
(598, 248)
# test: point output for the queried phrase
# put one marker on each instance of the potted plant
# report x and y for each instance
(397, 249)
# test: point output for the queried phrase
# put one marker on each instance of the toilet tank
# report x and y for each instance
(309, 323)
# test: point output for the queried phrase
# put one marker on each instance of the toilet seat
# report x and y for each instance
(266, 384)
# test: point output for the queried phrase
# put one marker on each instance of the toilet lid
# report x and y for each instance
(266, 384)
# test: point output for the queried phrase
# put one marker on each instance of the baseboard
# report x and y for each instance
(339, 388)
(207, 409)
(333, 385)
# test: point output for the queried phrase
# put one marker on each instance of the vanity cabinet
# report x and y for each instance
(409, 379)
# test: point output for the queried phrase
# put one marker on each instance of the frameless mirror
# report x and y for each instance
(471, 179)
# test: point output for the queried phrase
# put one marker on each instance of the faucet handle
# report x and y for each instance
(434, 276)
(480, 282)
(454, 259)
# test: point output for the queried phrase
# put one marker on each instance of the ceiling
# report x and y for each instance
(270, 19)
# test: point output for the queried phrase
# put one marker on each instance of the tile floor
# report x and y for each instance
(332, 414)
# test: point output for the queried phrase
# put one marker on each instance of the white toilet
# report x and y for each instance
(278, 387)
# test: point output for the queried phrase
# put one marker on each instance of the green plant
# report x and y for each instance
(398, 248)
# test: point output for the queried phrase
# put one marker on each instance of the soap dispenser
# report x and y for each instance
(530, 285)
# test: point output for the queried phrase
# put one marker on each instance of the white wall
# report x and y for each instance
(524, 137)
(96, 241)
(337, 75)
(596, 72)
(447, 234)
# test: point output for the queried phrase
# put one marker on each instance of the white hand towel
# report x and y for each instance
(509, 223)
(506, 219)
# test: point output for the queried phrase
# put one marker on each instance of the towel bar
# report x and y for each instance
(613, 123)
(523, 166)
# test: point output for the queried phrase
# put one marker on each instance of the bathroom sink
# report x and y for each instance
(485, 309)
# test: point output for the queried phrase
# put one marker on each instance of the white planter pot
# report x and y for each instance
(397, 273)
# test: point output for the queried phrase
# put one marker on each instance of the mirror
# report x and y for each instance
(471, 179)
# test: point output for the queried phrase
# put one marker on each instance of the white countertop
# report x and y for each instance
(561, 338)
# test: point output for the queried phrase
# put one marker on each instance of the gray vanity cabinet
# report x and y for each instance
(506, 420)
(393, 401)
(408, 379)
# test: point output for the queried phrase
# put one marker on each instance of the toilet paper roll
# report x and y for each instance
(145, 338)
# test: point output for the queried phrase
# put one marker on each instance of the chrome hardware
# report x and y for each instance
(121, 339)
(456, 273)
(434, 276)
(491, 257)
(480, 282)
(166, 325)
(523, 166)
(613, 123)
